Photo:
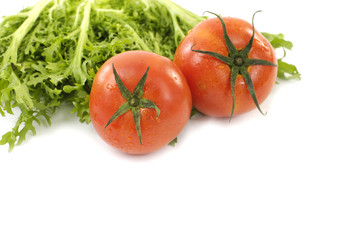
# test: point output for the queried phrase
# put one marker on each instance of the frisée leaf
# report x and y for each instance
(286, 71)
(49, 53)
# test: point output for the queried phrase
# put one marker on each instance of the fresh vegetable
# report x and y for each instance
(139, 102)
(286, 71)
(49, 53)
(230, 67)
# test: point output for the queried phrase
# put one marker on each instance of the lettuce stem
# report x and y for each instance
(18, 36)
(75, 66)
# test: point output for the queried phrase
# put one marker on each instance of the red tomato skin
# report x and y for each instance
(166, 86)
(209, 78)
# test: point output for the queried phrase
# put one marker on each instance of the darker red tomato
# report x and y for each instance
(165, 86)
(209, 78)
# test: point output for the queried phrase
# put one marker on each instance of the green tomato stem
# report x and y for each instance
(134, 102)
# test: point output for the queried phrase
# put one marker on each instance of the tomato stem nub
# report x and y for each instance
(238, 62)
(134, 102)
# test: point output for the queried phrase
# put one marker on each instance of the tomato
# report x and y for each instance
(210, 79)
(162, 107)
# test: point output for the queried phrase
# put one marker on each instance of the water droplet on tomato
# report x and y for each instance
(202, 85)
(110, 87)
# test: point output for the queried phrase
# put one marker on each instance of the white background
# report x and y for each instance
(293, 174)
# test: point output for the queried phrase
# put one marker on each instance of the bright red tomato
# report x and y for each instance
(210, 78)
(115, 115)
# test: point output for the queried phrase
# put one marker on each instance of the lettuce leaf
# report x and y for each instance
(286, 71)
(49, 53)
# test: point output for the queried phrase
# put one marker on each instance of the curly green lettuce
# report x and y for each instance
(286, 71)
(49, 53)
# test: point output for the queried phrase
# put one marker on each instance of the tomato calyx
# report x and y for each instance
(134, 102)
(238, 62)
